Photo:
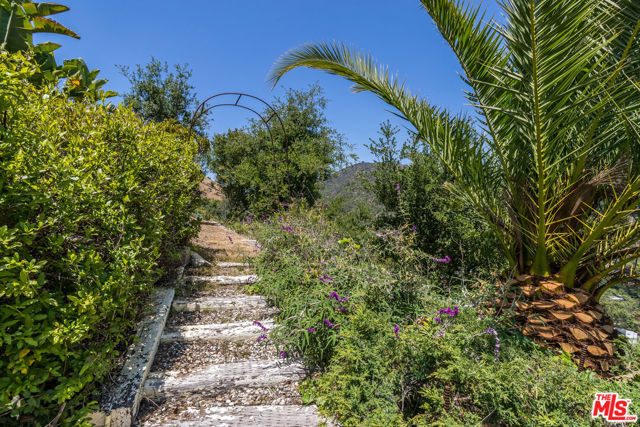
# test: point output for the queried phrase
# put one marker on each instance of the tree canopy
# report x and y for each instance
(158, 94)
(252, 168)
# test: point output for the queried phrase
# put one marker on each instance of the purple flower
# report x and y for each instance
(342, 309)
(283, 354)
(333, 295)
(398, 189)
(311, 329)
(262, 337)
(441, 333)
(443, 260)
(230, 239)
(329, 324)
(415, 229)
(255, 322)
(377, 234)
(408, 317)
(345, 299)
(325, 278)
(437, 319)
(496, 349)
(449, 311)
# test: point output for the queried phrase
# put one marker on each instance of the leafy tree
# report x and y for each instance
(552, 163)
(252, 168)
(158, 94)
(387, 154)
(415, 198)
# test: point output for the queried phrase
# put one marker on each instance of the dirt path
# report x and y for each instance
(215, 365)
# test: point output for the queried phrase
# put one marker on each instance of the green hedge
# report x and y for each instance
(91, 198)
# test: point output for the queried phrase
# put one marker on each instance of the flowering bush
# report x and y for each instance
(387, 341)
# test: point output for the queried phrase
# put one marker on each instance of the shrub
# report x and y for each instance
(388, 361)
(91, 198)
(415, 198)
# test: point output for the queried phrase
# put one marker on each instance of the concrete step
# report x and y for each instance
(238, 331)
(233, 264)
(259, 373)
(242, 416)
(221, 280)
(221, 303)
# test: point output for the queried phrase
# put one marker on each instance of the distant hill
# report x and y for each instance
(210, 189)
(348, 184)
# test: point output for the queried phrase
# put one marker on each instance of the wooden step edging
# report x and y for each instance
(258, 415)
(219, 303)
(221, 280)
(237, 331)
(227, 264)
(120, 406)
(255, 373)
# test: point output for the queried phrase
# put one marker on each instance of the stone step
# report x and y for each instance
(259, 373)
(213, 303)
(233, 264)
(221, 280)
(242, 416)
(238, 331)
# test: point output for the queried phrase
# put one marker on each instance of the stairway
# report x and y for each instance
(215, 367)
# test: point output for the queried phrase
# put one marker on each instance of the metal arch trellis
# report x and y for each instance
(203, 109)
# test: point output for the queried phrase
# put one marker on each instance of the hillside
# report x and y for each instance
(347, 183)
(210, 189)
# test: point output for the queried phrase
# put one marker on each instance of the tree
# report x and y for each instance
(414, 195)
(552, 161)
(387, 154)
(252, 169)
(157, 94)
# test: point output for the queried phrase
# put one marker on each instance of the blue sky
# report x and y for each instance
(231, 45)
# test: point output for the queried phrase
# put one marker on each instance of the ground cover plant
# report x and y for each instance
(551, 162)
(91, 199)
(387, 340)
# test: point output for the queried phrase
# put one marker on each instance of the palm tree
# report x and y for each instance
(551, 157)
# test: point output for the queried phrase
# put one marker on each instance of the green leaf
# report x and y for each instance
(45, 25)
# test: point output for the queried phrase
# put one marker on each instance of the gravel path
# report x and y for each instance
(185, 357)
(220, 316)
(193, 380)
(191, 407)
